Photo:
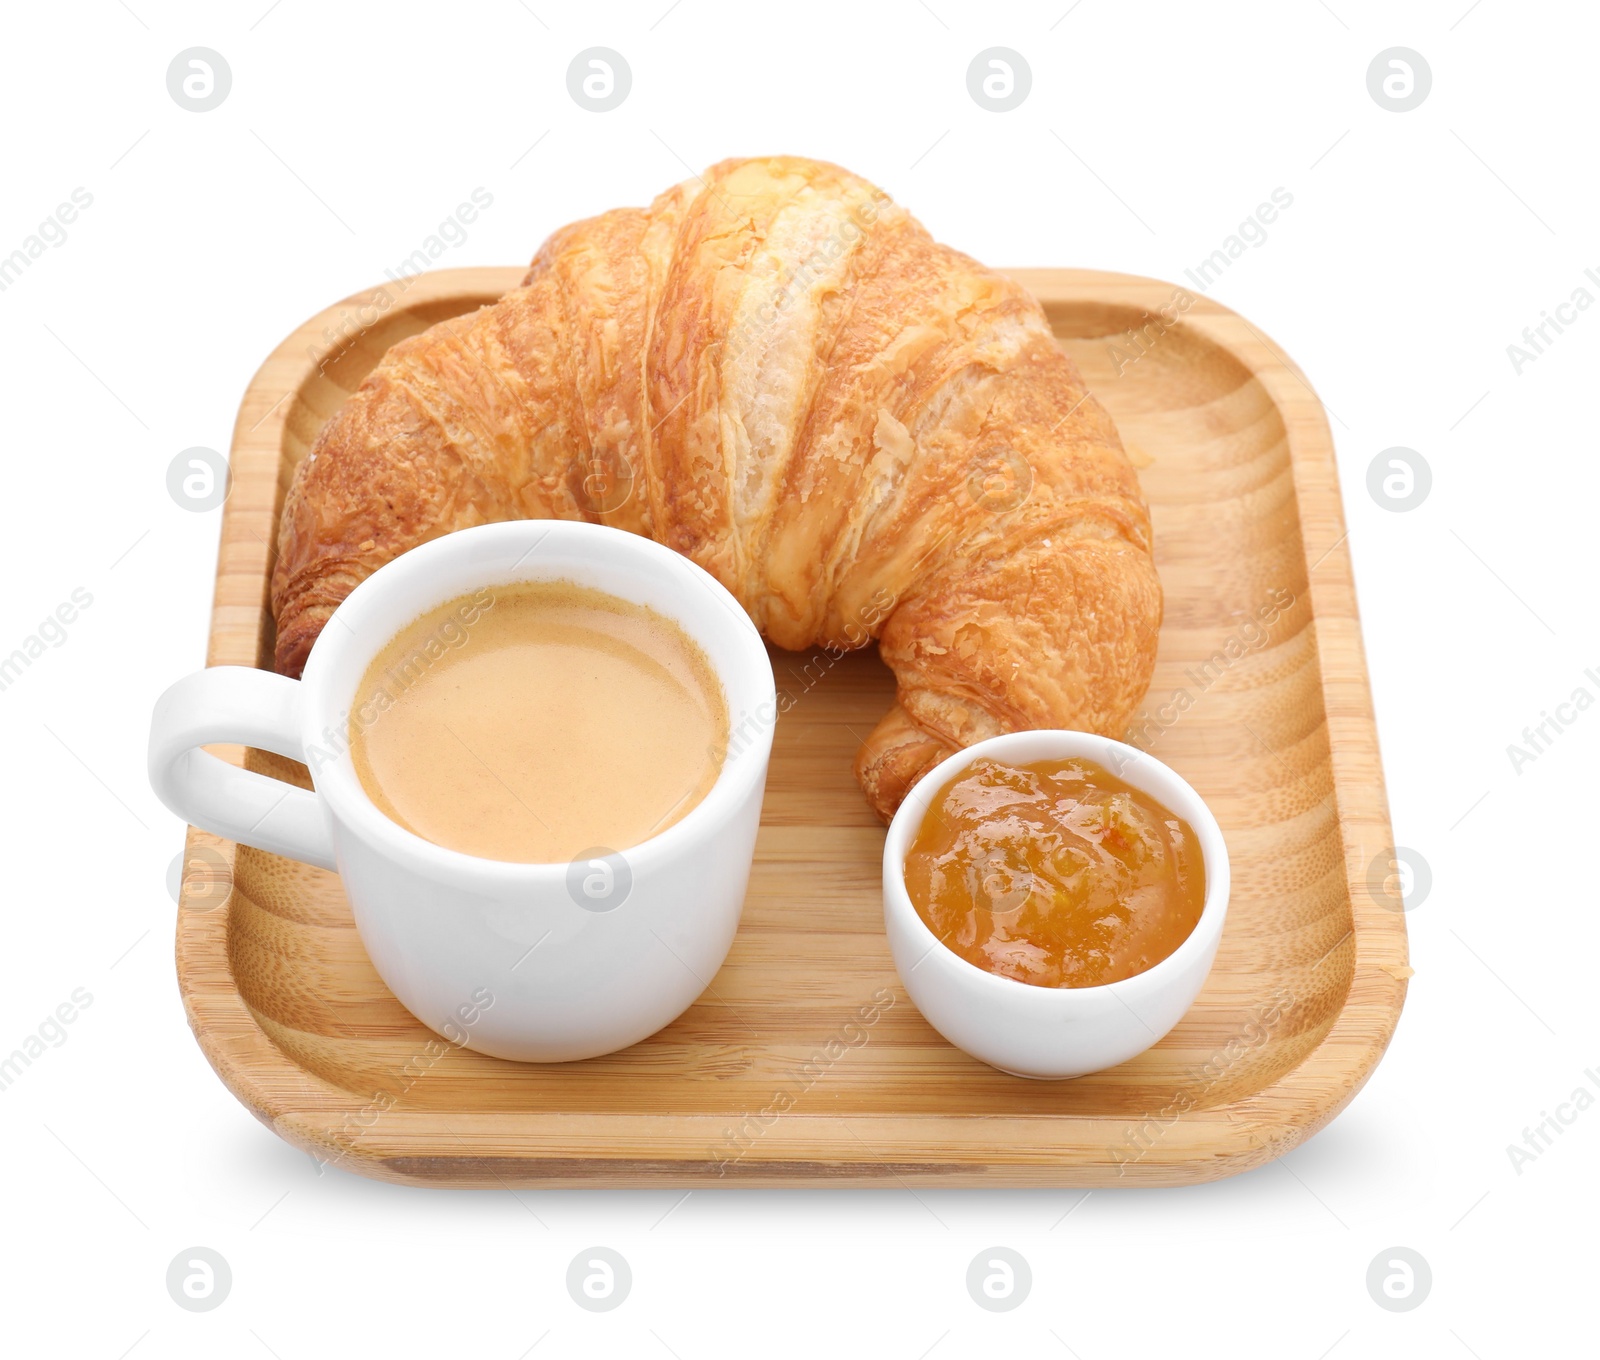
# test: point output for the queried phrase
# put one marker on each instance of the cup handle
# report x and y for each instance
(237, 704)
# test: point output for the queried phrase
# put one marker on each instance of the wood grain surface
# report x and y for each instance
(804, 1061)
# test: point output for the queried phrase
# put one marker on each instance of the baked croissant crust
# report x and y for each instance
(776, 371)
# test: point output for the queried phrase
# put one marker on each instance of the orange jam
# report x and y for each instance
(1055, 873)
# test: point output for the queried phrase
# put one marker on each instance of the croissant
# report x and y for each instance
(776, 371)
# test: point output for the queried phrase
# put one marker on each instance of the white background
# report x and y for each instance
(1418, 247)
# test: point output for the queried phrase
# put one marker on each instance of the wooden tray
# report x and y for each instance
(807, 1015)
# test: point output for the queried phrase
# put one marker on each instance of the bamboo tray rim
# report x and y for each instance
(579, 1148)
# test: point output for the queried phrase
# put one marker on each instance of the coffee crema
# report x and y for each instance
(538, 721)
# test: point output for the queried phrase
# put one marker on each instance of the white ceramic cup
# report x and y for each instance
(536, 962)
(1032, 1031)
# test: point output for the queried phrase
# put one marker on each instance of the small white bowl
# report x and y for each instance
(1052, 1032)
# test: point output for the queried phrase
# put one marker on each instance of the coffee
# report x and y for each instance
(538, 721)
